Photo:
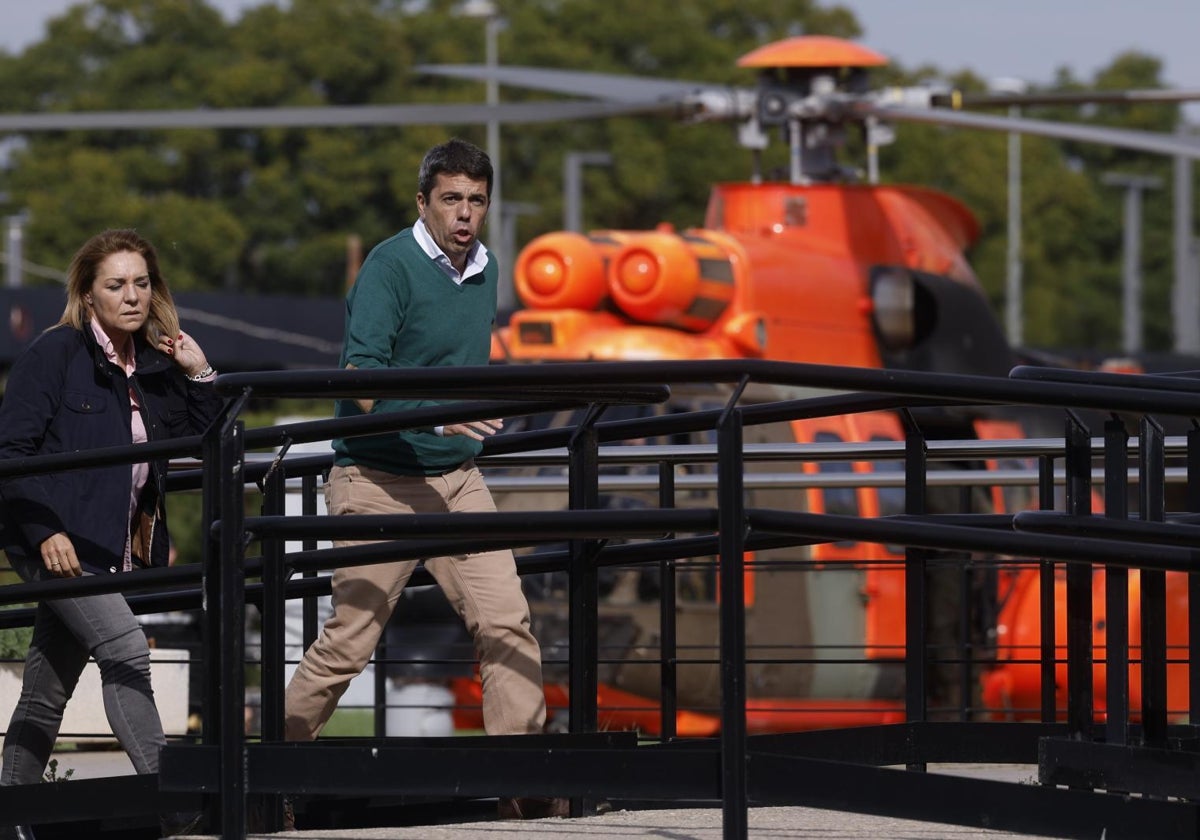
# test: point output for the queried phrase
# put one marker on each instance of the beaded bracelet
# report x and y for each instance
(202, 375)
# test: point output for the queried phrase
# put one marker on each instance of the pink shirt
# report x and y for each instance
(141, 472)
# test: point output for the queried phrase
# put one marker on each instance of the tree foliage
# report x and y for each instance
(272, 210)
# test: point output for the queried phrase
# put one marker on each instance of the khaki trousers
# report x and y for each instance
(484, 590)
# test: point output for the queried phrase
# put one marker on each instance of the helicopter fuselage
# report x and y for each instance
(780, 271)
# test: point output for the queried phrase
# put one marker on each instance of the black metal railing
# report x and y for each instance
(840, 768)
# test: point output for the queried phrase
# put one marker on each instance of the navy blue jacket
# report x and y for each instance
(64, 395)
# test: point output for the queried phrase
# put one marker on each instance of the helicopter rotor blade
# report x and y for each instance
(1093, 97)
(696, 101)
(581, 83)
(330, 115)
(1143, 141)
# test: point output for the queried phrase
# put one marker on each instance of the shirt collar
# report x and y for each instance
(477, 257)
(102, 339)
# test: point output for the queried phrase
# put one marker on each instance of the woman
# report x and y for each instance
(115, 370)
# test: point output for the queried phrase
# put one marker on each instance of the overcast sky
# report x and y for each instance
(24, 21)
(1031, 39)
(1026, 39)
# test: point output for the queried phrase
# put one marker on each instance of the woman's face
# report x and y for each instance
(120, 295)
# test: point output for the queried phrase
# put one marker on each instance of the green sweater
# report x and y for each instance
(403, 311)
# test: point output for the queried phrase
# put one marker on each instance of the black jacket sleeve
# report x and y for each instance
(31, 400)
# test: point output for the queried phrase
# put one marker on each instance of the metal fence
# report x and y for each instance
(1130, 774)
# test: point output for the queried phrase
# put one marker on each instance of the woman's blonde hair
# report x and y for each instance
(162, 320)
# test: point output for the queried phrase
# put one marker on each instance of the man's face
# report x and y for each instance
(454, 214)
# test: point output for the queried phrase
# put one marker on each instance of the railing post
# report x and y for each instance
(1193, 578)
(1116, 586)
(1079, 585)
(210, 586)
(379, 688)
(583, 586)
(731, 540)
(1151, 465)
(210, 622)
(966, 646)
(275, 575)
(1046, 601)
(308, 507)
(668, 643)
(915, 594)
(231, 613)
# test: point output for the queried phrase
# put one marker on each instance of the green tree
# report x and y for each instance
(271, 210)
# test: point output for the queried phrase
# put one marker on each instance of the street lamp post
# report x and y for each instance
(573, 164)
(1014, 274)
(1185, 293)
(493, 24)
(1132, 284)
(513, 210)
(14, 250)
(1013, 280)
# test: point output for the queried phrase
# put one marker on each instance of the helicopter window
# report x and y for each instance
(841, 500)
(891, 499)
(536, 332)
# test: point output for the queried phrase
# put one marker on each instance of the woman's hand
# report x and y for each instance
(58, 555)
(186, 353)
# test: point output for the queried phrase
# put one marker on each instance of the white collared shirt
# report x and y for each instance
(477, 257)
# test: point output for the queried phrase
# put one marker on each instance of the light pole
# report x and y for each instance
(14, 250)
(1132, 283)
(1185, 293)
(493, 24)
(513, 210)
(573, 164)
(1014, 305)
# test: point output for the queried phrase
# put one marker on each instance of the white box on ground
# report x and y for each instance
(85, 714)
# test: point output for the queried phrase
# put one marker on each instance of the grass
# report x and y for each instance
(350, 723)
(360, 723)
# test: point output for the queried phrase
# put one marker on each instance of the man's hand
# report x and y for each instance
(364, 405)
(477, 429)
(58, 555)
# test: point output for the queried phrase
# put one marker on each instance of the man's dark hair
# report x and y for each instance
(454, 157)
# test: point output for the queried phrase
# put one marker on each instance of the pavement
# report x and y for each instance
(672, 824)
(790, 823)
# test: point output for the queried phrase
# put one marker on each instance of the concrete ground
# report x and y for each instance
(786, 823)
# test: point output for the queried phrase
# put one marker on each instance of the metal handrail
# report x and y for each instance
(829, 390)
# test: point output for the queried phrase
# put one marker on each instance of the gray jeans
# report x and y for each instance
(66, 632)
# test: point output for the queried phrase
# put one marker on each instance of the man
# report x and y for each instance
(425, 297)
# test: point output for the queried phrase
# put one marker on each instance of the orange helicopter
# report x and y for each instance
(817, 269)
